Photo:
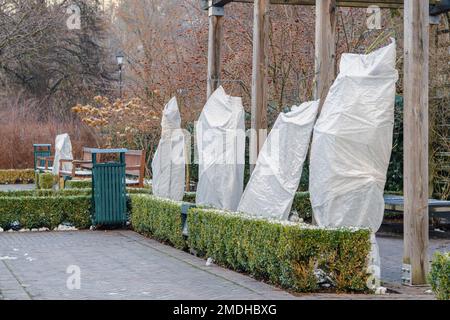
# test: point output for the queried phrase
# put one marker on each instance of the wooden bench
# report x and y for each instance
(43, 160)
(436, 208)
(134, 160)
(135, 167)
(80, 168)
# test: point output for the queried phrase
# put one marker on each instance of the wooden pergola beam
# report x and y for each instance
(325, 49)
(259, 78)
(215, 37)
(416, 60)
(339, 3)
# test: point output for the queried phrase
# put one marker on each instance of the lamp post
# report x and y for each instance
(120, 58)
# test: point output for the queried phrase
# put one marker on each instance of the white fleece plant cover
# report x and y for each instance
(63, 151)
(352, 142)
(220, 134)
(169, 162)
(272, 186)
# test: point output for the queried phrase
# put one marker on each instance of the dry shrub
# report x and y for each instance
(21, 126)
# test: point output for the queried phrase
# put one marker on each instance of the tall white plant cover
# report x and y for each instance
(63, 151)
(272, 186)
(169, 162)
(353, 140)
(221, 151)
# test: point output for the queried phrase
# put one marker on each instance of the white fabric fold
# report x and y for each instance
(220, 133)
(63, 151)
(169, 161)
(275, 179)
(352, 142)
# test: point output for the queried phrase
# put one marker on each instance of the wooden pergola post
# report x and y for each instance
(416, 26)
(259, 78)
(325, 56)
(214, 47)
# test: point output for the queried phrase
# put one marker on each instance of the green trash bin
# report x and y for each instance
(109, 189)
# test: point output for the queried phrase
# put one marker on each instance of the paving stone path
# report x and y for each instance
(125, 265)
(17, 187)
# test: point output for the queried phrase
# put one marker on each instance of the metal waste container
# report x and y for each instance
(109, 188)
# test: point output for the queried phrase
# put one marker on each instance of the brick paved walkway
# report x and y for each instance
(114, 265)
(125, 265)
(16, 187)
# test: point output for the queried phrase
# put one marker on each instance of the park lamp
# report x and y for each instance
(120, 59)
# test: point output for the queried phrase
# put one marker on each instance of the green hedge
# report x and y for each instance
(46, 181)
(78, 184)
(439, 276)
(301, 204)
(283, 254)
(64, 192)
(158, 218)
(189, 197)
(87, 184)
(45, 193)
(37, 212)
(16, 176)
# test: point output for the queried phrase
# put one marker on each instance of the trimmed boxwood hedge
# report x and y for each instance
(46, 181)
(78, 184)
(48, 208)
(284, 254)
(45, 193)
(158, 218)
(63, 192)
(50, 211)
(16, 176)
(439, 276)
(301, 204)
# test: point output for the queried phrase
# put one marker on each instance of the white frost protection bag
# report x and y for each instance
(221, 151)
(272, 186)
(169, 162)
(63, 151)
(352, 142)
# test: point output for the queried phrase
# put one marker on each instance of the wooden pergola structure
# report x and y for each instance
(416, 62)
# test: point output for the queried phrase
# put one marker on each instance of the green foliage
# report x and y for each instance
(439, 276)
(64, 192)
(139, 191)
(87, 184)
(16, 176)
(78, 184)
(46, 181)
(302, 205)
(158, 218)
(189, 197)
(394, 180)
(37, 212)
(48, 208)
(283, 254)
(46, 193)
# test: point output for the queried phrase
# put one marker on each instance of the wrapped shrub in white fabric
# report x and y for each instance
(272, 186)
(169, 162)
(352, 142)
(63, 151)
(220, 134)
